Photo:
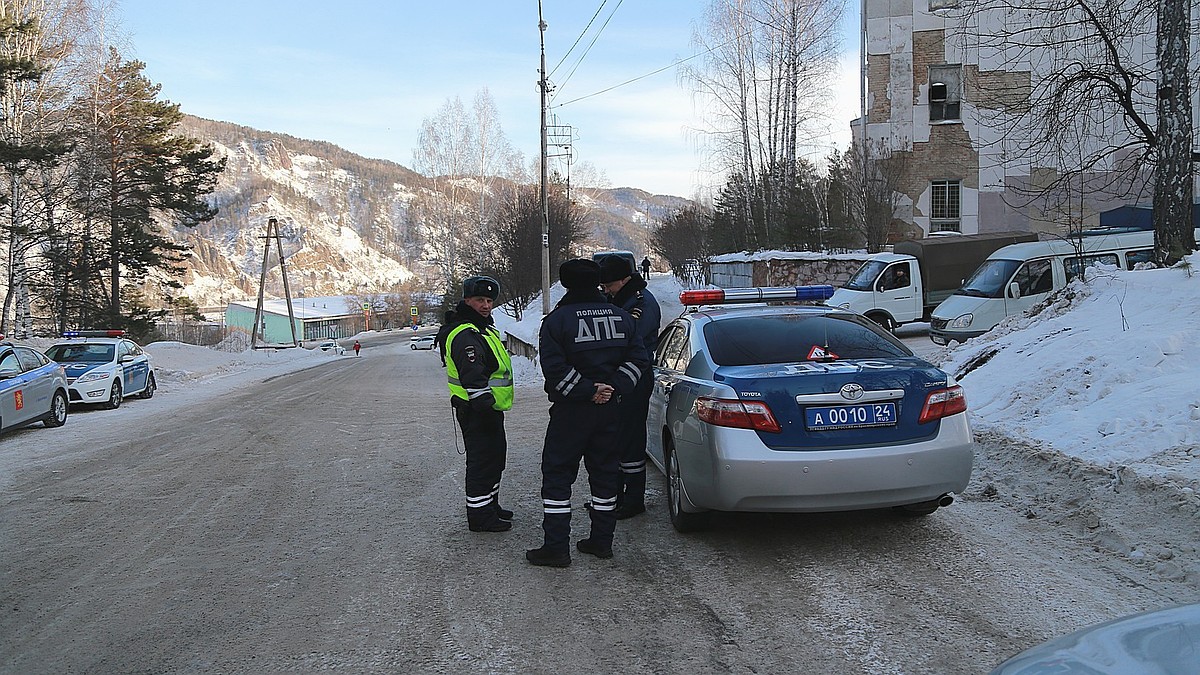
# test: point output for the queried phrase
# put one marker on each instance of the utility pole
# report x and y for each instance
(272, 233)
(862, 106)
(543, 85)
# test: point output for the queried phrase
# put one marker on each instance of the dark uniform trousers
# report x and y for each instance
(486, 447)
(632, 441)
(580, 429)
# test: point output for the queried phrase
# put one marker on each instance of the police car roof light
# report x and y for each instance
(93, 333)
(733, 295)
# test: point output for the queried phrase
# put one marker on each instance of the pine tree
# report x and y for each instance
(137, 171)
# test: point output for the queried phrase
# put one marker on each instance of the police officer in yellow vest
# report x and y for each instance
(479, 373)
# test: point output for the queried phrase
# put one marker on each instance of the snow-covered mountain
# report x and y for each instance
(344, 219)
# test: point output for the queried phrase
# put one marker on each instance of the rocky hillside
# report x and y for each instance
(345, 219)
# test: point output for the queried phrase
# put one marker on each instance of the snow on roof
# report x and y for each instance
(746, 256)
(323, 307)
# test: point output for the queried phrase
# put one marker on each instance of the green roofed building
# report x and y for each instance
(318, 318)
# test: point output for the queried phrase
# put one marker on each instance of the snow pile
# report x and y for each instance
(1105, 371)
(180, 362)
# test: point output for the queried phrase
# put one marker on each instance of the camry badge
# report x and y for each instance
(852, 391)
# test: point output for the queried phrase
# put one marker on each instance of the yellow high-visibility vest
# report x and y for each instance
(500, 382)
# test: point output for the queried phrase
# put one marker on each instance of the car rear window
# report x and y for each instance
(783, 338)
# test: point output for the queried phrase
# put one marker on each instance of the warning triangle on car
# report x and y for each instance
(818, 353)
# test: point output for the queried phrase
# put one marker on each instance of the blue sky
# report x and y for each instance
(364, 74)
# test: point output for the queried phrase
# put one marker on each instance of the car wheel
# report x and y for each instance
(885, 322)
(413, 347)
(148, 392)
(58, 410)
(114, 397)
(681, 520)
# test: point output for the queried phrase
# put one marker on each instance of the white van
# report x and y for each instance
(1019, 276)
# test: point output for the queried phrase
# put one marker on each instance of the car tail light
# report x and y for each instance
(943, 403)
(724, 412)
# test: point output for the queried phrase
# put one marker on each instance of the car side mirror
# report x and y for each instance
(126, 358)
(1014, 289)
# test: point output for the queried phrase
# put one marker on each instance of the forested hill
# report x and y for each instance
(349, 222)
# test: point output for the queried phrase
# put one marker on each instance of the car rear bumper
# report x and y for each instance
(752, 477)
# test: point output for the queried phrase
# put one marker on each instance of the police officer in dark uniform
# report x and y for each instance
(627, 290)
(591, 356)
(479, 374)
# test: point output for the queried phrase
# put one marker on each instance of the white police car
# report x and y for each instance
(104, 367)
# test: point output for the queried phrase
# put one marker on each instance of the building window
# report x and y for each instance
(943, 4)
(945, 206)
(945, 92)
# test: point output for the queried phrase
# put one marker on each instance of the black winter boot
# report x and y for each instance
(630, 509)
(496, 525)
(484, 519)
(501, 512)
(591, 547)
(546, 557)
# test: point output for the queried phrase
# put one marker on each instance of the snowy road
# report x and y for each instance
(315, 521)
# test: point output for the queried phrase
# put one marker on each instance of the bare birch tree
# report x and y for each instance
(445, 154)
(38, 42)
(1174, 189)
(467, 159)
(764, 71)
(1083, 115)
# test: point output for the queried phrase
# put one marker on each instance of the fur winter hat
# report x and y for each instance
(614, 268)
(579, 273)
(481, 286)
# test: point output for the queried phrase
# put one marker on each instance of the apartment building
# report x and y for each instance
(953, 88)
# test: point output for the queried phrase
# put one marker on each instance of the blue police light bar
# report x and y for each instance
(726, 296)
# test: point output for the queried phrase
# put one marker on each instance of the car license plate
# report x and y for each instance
(824, 418)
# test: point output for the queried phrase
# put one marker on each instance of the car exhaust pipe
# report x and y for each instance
(946, 499)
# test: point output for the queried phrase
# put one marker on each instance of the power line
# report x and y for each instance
(589, 47)
(655, 72)
(576, 43)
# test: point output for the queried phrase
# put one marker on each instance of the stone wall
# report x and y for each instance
(832, 271)
(806, 271)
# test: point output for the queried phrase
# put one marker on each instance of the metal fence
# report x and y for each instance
(691, 276)
(203, 334)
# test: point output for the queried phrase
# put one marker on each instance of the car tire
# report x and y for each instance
(58, 410)
(413, 347)
(114, 397)
(885, 322)
(681, 520)
(151, 385)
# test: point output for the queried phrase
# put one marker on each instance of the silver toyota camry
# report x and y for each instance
(799, 408)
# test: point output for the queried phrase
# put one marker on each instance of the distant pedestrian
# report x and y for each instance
(356, 348)
(479, 374)
(591, 356)
(646, 267)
